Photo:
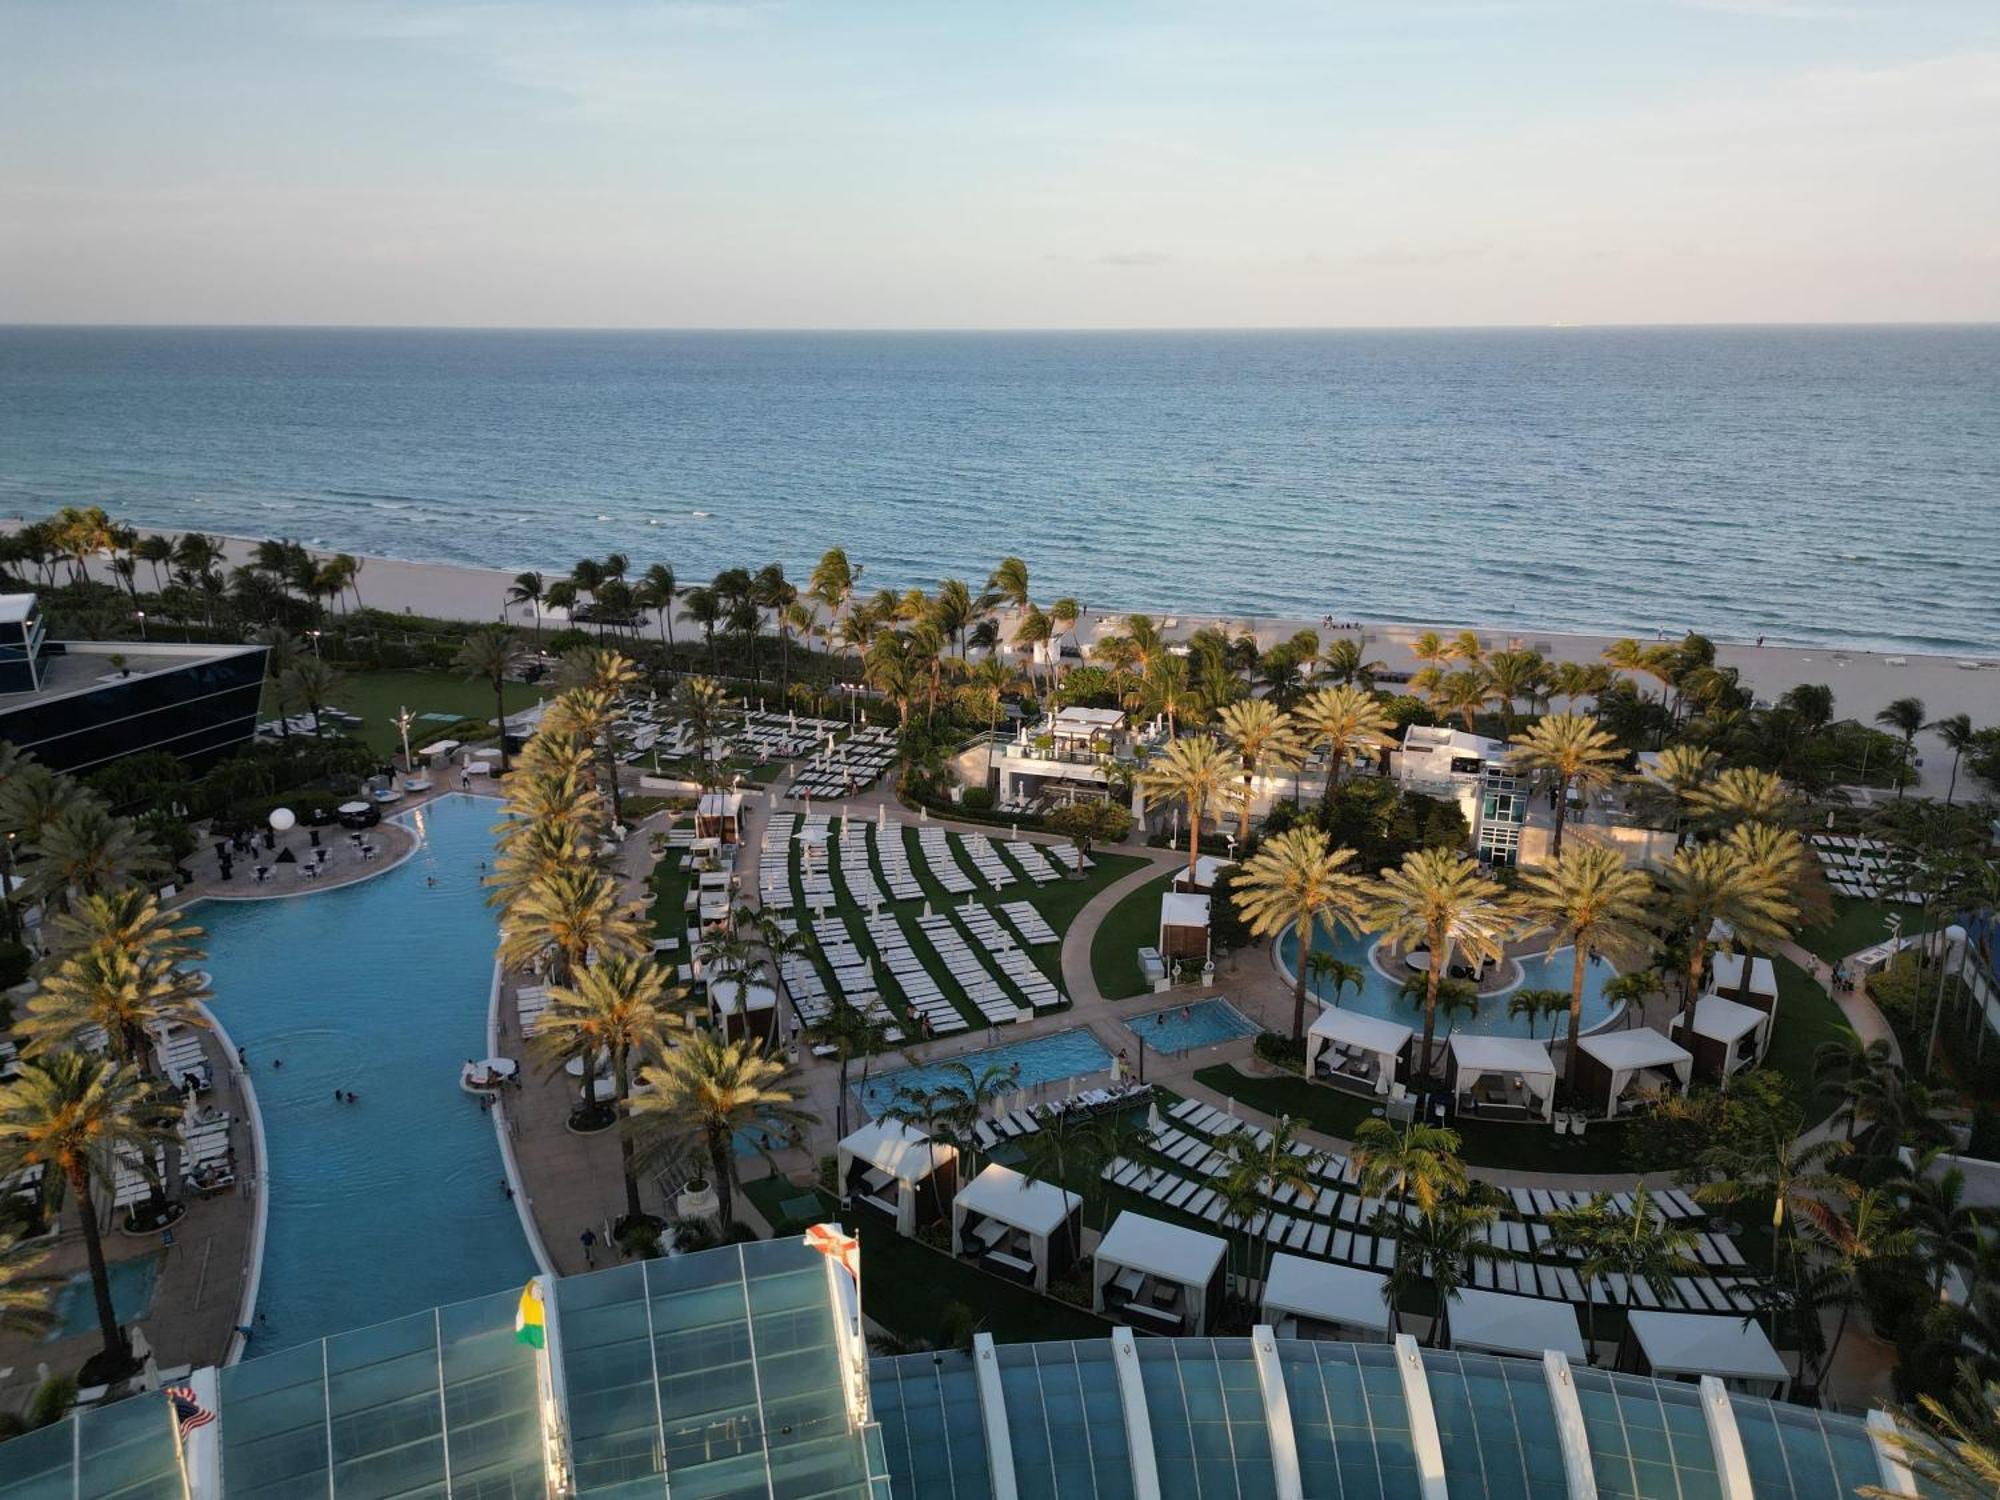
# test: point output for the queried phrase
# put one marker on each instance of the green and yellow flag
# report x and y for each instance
(528, 1317)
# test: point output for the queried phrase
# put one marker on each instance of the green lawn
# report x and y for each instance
(376, 696)
(670, 886)
(920, 1293)
(1130, 925)
(1808, 1017)
(770, 1194)
(1855, 925)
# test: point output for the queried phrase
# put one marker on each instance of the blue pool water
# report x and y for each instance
(1206, 1024)
(1382, 996)
(132, 1283)
(393, 1203)
(1045, 1059)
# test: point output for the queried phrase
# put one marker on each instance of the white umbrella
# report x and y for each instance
(354, 807)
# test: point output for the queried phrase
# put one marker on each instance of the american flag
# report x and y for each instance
(188, 1412)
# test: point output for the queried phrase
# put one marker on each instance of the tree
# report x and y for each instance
(619, 1005)
(308, 684)
(700, 702)
(703, 606)
(1643, 1246)
(1590, 901)
(1086, 823)
(1905, 716)
(1703, 884)
(1051, 1154)
(603, 677)
(78, 1117)
(127, 977)
(1420, 1162)
(85, 851)
(1346, 719)
(963, 1095)
(1867, 1228)
(1256, 1165)
(1952, 1447)
(985, 688)
(1438, 1251)
(1532, 1005)
(1345, 662)
(851, 1032)
(1195, 772)
(1511, 675)
(25, 1294)
(563, 917)
(705, 1091)
(1957, 733)
(1741, 794)
(1438, 899)
(1574, 750)
(489, 655)
(657, 591)
(1298, 880)
(528, 589)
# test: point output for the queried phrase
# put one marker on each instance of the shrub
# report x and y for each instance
(1276, 1047)
(977, 799)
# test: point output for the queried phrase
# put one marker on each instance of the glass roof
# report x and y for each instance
(1065, 1421)
(1648, 1438)
(1349, 1419)
(1207, 1412)
(124, 1451)
(932, 1430)
(1794, 1452)
(1497, 1425)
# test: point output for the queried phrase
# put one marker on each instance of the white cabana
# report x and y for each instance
(719, 816)
(898, 1171)
(1016, 1225)
(1184, 926)
(1159, 1276)
(1686, 1346)
(1360, 1051)
(1492, 1074)
(1208, 869)
(741, 1010)
(1727, 969)
(1615, 1064)
(436, 749)
(1728, 1036)
(1496, 1323)
(1318, 1299)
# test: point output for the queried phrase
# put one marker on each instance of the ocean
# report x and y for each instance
(1806, 484)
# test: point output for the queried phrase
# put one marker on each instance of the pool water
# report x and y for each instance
(132, 1284)
(1042, 1060)
(1382, 997)
(1207, 1023)
(391, 1204)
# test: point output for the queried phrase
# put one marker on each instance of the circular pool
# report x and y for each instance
(1382, 996)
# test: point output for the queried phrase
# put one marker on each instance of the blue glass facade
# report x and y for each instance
(196, 710)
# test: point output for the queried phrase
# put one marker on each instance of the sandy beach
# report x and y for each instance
(1863, 681)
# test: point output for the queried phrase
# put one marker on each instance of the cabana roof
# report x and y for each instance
(1162, 1249)
(437, 747)
(1326, 1292)
(1370, 1033)
(1629, 1051)
(1004, 1194)
(1690, 1343)
(898, 1149)
(1729, 974)
(1515, 1325)
(1724, 1020)
(1183, 909)
(730, 997)
(719, 805)
(1500, 1054)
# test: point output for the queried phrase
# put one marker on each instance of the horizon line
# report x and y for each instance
(1024, 329)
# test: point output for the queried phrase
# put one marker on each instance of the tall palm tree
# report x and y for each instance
(489, 655)
(1905, 716)
(1674, 779)
(1346, 719)
(1300, 881)
(658, 591)
(1420, 1162)
(1773, 1162)
(620, 1005)
(1959, 736)
(1952, 1447)
(1104, 1141)
(705, 1091)
(1846, 1069)
(1644, 1247)
(1345, 662)
(702, 606)
(1438, 898)
(1742, 794)
(308, 684)
(833, 580)
(1702, 884)
(1256, 1165)
(85, 851)
(963, 1094)
(894, 667)
(1573, 749)
(604, 676)
(986, 686)
(1031, 632)
(1054, 1154)
(1867, 1227)
(1195, 772)
(1438, 1251)
(528, 589)
(700, 702)
(1464, 692)
(25, 1293)
(850, 1032)
(131, 996)
(78, 1117)
(1590, 901)
(1514, 674)
(563, 918)
(1532, 1005)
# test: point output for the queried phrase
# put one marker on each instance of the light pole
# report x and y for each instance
(315, 638)
(404, 719)
(142, 625)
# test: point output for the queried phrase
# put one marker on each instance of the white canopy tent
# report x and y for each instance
(1362, 1049)
(1722, 1028)
(1737, 1352)
(1165, 1278)
(1620, 1059)
(1526, 1072)
(1497, 1323)
(1184, 925)
(886, 1162)
(1001, 1213)
(1342, 1300)
(1727, 969)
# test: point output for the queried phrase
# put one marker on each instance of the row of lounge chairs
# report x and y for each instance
(1009, 1125)
(1034, 986)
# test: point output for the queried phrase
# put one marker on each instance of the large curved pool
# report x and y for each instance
(1382, 996)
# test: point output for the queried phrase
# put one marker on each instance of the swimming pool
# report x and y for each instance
(1207, 1023)
(1043, 1060)
(132, 1284)
(393, 1203)
(1381, 996)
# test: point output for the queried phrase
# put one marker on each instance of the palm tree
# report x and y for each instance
(1742, 794)
(529, 589)
(1534, 1004)
(1256, 1165)
(657, 591)
(1437, 898)
(1906, 717)
(1846, 1069)
(1319, 968)
(1195, 772)
(1573, 749)
(700, 701)
(489, 655)
(1299, 881)
(851, 1033)
(985, 686)
(1590, 901)
(604, 676)
(1952, 1448)
(962, 1097)
(1645, 1247)
(1703, 884)
(1511, 675)
(154, 549)
(563, 917)
(703, 606)
(1868, 1228)
(78, 1117)
(85, 851)
(705, 1091)
(1421, 1162)
(618, 1005)
(1772, 1161)
(132, 996)
(1949, 1231)
(1464, 692)
(1104, 1141)
(1051, 1154)
(833, 580)
(1344, 662)
(1675, 778)
(1438, 1251)
(1345, 719)
(308, 684)
(1959, 736)
(24, 1292)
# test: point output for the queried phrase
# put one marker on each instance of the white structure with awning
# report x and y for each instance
(1735, 1351)
(886, 1162)
(1330, 1301)
(1735, 1035)
(1015, 1222)
(1643, 1058)
(1159, 1276)
(1363, 1050)
(1727, 972)
(1497, 1323)
(1526, 1074)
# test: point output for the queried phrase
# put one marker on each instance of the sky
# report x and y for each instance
(1027, 164)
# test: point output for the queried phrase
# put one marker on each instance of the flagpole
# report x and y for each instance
(180, 1450)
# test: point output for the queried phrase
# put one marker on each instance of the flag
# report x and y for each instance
(188, 1412)
(837, 1245)
(528, 1317)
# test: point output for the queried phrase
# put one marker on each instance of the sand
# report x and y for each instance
(1863, 681)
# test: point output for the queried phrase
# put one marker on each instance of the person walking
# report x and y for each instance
(589, 1241)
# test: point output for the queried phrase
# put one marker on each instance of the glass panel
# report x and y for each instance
(1647, 1438)
(386, 1422)
(1066, 1419)
(1349, 1421)
(37, 1466)
(127, 1451)
(1495, 1422)
(928, 1405)
(273, 1423)
(493, 1413)
(608, 1373)
(1795, 1452)
(1207, 1414)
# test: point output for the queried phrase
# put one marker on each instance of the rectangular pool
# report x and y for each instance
(132, 1284)
(1042, 1060)
(1188, 1028)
